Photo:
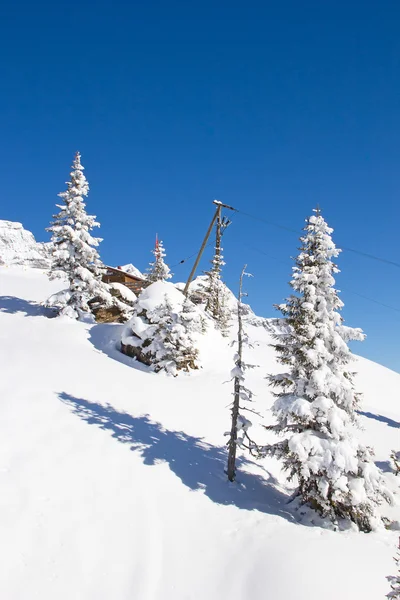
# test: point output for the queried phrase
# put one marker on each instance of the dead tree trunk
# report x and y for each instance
(231, 470)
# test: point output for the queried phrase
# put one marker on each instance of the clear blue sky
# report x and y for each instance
(271, 107)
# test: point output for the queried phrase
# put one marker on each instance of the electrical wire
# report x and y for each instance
(371, 256)
(353, 250)
(345, 290)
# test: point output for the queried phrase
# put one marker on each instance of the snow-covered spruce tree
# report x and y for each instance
(214, 291)
(162, 331)
(74, 254)
(158, 270)
(316, 405)
(213, 287)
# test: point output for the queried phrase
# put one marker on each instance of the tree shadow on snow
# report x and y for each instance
(199, 465)
(384, 465)
(380, 418)
(12, 305)
(106, 337)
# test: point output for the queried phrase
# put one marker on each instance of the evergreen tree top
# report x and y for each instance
(78, 185)
(159, 270)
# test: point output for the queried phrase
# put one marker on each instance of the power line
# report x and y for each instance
(226, 224)
(345, 290)
(372, 300)
(383, 260)
(371, 256)
(364, 254)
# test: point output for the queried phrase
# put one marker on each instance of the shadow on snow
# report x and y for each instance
(384, 465)
(380, 418)
(12, 305)
(199, 465)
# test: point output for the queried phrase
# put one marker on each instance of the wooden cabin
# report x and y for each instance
(117, 275)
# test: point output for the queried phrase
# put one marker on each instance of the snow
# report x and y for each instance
(132, 270)
(150, 297)
(125, 292)
(19, 247)
(112, 482)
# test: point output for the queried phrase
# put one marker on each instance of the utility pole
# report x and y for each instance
(217, 217)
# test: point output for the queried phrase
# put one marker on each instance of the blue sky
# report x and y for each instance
(270, 107)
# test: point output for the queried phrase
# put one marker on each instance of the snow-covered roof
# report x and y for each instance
(132, 275)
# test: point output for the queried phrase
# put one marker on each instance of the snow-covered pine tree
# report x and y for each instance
(158, 270)
(316, 405)
(162, 330)
(214, 289)
(74, 254)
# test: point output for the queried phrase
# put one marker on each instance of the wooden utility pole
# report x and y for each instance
(216, 216)
(231, 470)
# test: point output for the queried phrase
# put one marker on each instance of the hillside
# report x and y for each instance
(112, 478)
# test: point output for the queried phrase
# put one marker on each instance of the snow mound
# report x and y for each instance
(19, 247)
(152, 296)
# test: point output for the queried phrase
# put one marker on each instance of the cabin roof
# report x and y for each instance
(120, 271)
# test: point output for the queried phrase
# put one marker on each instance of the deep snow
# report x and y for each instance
(112, 478)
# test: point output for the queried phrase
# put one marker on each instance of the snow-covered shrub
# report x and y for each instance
(395, 456)
(121, 308)
(158, 270)
(163, 329)
(74, 254)
(316, 405)
(216, 299)
(394, 580)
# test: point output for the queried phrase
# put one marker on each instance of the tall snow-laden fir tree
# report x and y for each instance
(74, 253)
(316, 405)
(158, 270)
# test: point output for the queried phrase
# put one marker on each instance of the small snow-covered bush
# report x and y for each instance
(394, 580)
(162, 331)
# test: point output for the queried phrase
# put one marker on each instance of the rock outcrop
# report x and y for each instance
(19, 247)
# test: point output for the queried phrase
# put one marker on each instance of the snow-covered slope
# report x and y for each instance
(112, 483)
(19, 247)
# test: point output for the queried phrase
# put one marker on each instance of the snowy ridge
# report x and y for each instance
(19, 247)
(112, 477)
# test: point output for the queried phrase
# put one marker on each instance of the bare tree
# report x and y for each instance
(239, 425)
